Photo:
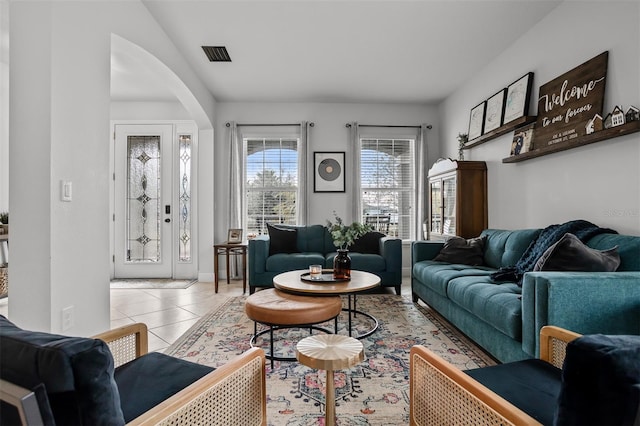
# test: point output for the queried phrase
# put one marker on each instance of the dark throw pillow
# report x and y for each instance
(369, 243)
(571, 254)
(282, 240)
(466, 252)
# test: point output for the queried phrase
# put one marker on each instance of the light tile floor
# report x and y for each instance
(170, 313)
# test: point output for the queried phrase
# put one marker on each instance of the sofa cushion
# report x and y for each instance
(531, 385)
(628, 249)
(361, 262)
(570, 254)
(76, 372)
(147, 381)
(289, 262)
(601, 381)
(497, 304)
(504, 248)
(369, 243)
(436, 275)
(282, 240)
(459, 250)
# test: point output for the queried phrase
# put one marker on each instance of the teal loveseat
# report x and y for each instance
(315, 247)
(504, 317)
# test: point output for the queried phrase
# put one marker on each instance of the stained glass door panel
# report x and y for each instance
(143, 228)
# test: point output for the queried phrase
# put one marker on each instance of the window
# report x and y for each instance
(387, 185)
(272, 176)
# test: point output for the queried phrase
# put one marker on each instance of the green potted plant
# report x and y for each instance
(344, 236)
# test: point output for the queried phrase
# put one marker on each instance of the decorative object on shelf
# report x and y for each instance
(495, 111)
(234, 236)
(595, 124)
(522, 139)
(463, 138)
(608, 121)
(518, 95)
(344, 236)
(328, 173)
(617, 117)
(476, 121)
(568, 102)
(633, 114)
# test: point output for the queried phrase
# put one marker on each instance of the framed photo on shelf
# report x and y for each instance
(495, 111)
(328, 175)
(522, 140)
(476, 121)
(518, 94)
(234, 236)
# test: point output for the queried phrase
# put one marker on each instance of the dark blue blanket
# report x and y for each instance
(548, 236)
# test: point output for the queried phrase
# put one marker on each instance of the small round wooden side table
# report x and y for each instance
(330, 352)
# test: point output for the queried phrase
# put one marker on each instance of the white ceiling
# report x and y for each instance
(393, 51)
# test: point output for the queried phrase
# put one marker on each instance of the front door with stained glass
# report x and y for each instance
(143, 201)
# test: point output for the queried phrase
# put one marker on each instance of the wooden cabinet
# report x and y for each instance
(457, 199)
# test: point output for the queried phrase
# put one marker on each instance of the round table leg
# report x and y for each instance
(330, 401)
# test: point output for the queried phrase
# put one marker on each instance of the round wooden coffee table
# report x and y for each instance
(360, 281)
(329, 352)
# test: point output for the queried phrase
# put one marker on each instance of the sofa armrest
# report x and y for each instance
(553, 344)
(425, 250)
(441, 394)
(233, 394)
(391, 251)
(586, 302)
(258, 253)
(126, 343)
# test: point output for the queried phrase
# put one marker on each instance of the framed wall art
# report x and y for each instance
(495, 111)
(518, 94)
(476, 121)
(328, 175)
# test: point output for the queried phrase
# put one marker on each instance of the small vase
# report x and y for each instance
(342, 265)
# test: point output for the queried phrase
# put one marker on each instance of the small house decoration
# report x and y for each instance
(617, 117)
(633, 114)
(594, 125)
(607, 121)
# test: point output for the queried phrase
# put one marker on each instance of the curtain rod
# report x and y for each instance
(429, 126)
(269, 124)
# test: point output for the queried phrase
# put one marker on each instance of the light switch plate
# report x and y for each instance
(66, 190)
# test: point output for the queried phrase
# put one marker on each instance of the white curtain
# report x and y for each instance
(354, 137)
(236, 178)
(301, 207)
(421, 167)
(236, 189)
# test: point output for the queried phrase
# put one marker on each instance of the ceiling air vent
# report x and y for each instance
(217, 53)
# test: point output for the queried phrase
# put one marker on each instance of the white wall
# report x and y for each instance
(4, 106)
(598, 182)
(328, 134)
(60, 112)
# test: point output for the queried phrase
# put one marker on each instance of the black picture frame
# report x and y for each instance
(518, 98)
(328, 171)
(495, 111)
(476, 120)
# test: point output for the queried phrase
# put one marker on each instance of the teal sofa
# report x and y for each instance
(504, 318)
(315, 247)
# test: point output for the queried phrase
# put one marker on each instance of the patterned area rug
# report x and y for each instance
(376, 392)
(152, 283)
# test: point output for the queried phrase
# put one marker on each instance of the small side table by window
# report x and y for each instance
(230, 250)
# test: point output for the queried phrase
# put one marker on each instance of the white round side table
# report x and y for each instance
(330, 352)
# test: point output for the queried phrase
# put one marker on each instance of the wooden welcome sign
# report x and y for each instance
(567, 103)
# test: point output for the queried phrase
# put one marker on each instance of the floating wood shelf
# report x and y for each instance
(505, 128)
(601, 135)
